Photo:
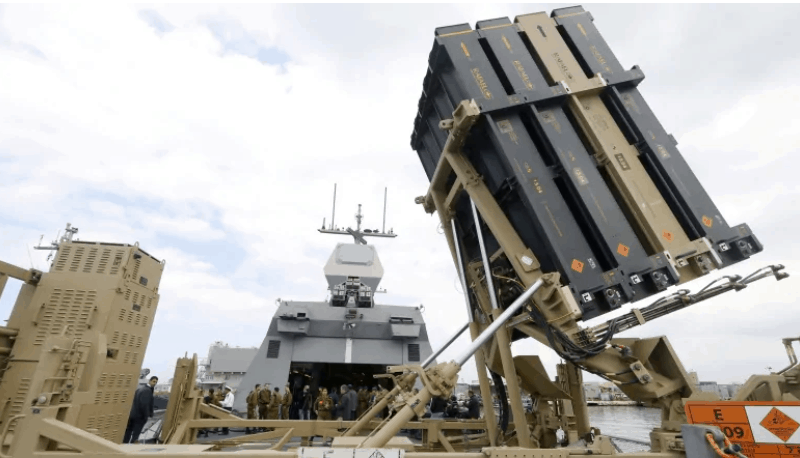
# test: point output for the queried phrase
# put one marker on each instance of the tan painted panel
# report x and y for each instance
(645, 204)
(102, 294)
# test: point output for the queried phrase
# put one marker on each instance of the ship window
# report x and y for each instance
(273, 349)
(413, 352)
(401, 319)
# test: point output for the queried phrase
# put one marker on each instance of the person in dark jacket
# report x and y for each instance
(335, 398)
(474, 406)
(353, 401)
(306, 404)
(438, 404)
(141, 410)
(451, 411)
(344, 404)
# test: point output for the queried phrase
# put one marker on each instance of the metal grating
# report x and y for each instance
(273, 349)
(413, 352)
(137, 263)
(117, 264)
(22, 393)
(104, 258)
(66, 308)
(91, 259)
(76, 259)
(61, 260)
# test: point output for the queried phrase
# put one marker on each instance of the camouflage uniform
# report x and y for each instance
(286, 404)
(363, 402)
(252, 403)
(323, 406)
(264, 397)
(272, 408)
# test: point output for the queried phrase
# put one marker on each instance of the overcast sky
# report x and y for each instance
(213, 136)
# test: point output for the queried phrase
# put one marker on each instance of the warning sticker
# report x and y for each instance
(577, 266)
(762, 429)
(667, 235)
(707, 221)
(623, 250)
(779, 424)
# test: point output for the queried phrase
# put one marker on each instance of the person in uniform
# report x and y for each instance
(227, 404)
(273, 409)
(323, 406)
(216, 400)
(264, 397)
(286, 404)
(374, 398)
(363, 401)
(252, 404)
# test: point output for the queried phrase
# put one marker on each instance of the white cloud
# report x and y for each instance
(762, 123)
(133, 136)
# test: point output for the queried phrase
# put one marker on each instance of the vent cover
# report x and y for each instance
(413, 352)
(273, 349)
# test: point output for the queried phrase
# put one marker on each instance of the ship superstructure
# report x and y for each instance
(347, 339)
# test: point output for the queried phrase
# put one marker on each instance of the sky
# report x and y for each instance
(213, 136)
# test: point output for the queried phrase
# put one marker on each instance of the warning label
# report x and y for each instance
(707, 221)
(762, 429)
(667, 235)
(577, 266)
(779, 424)
(623, 250)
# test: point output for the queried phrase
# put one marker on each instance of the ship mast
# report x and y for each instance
(358, 234)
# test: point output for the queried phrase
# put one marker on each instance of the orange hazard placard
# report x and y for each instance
(779, 424)
(577, 266)
(623, 249)
(707, 221)
(667, 235)
(762, 429)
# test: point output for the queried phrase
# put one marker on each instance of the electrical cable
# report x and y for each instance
(502, 398)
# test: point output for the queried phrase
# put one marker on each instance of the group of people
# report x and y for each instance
(268, 404)
(451, 409)
(341, 403)
(222, 398)
(345, 403)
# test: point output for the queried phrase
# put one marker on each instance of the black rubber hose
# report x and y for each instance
(502, 400)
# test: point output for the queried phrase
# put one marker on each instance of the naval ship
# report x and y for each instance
(347, 339)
